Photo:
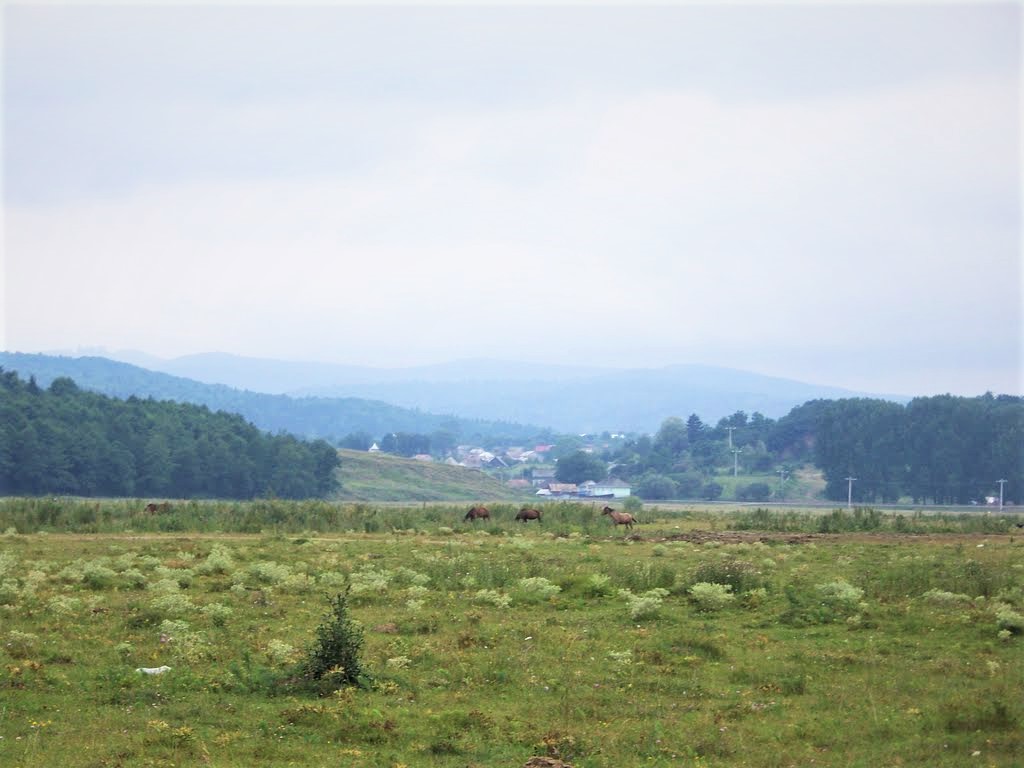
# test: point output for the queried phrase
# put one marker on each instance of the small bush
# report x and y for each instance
(335, 653)
(711, 597)
(741, 575)
(1009, 620)
(939, 597)
(492, 597)
(646, 605)
(536, 589)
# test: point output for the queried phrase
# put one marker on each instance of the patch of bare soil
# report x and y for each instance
(771, 537)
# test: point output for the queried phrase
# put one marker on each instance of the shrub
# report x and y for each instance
(1009, 620)
(598, 585)
(741, 575)
(335, 652)
(939, 597)
(711, 491)
(632, 504)
(217, 613)
(21, 645)
(280, 652)
(219, 561)
(536, 589)
(492, 597)
(646, 605)
(840, 596)
(711, 597)
(754, 492)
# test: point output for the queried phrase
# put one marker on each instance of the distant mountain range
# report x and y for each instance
(311, 417)
(566, 398)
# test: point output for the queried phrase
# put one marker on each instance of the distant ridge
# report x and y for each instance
(304, 416)
(569, 398)
(566, 398)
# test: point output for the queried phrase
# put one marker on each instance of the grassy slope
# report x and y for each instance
(379, 477)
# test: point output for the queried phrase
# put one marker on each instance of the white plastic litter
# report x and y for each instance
(153, 670)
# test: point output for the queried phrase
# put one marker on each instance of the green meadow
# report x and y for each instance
(748, 638)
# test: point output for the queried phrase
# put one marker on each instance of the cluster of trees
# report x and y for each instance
(440, 442)
(683, 457)
(942, 450)
(65, 440)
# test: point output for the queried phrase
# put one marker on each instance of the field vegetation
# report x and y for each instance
(749, 638)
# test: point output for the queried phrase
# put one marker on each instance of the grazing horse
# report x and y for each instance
(152, 508)
(526, 515)
(620, 518)
(478, 513)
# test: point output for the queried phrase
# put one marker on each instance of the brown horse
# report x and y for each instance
(526, 515)
(153, 508)
(478, 513)
(620, 518)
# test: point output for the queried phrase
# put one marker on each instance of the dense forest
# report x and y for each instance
(942, 450)
(65, 440)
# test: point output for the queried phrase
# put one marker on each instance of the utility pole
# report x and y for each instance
(730, 436)
(735, 456)
(849, 492)
(1001, 484)
(782, 479)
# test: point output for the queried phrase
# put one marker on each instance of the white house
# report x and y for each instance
(613, 486)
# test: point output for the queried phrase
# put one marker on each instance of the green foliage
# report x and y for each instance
(335, 654)
(741, 576)
(711, 597)
(754, 492)
(68, 441)
(653, 486)
(578, 467)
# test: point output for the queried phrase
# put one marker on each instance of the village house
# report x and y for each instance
(611, 487)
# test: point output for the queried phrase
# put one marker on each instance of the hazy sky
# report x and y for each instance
(824, 192)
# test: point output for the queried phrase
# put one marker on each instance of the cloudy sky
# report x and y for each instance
(824, 192)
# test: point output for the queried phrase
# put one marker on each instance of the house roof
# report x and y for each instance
(562, 487)
(612, 482)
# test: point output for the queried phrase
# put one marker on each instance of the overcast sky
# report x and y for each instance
(824, 192)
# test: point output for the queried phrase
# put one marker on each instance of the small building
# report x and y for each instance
(611, 487)
(541, 477)
(373, 449)
(563, 489)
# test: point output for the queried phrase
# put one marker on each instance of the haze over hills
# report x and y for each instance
(567, 398)
(310, 417)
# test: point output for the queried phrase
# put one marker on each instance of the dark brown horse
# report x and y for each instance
(526, 515)
(478, 513)
(620, 518)
(153, 508)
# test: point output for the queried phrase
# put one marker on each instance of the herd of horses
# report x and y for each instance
(527, 513)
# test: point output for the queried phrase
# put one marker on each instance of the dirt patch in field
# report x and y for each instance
(768, 537)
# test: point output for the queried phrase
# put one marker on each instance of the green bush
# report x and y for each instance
(741, 575)
(335, 653)
(711, 597)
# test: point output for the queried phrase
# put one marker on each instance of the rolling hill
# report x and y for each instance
(306, 416)
(567, 398)
(379, 477)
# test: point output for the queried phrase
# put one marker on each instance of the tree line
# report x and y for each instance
(942, 449)
(65, 440)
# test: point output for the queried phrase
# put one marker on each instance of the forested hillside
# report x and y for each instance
(330, 418)
(64, 440)
(941, 450)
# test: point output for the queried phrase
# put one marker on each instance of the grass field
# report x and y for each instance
(380, 477)
(701, 639)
